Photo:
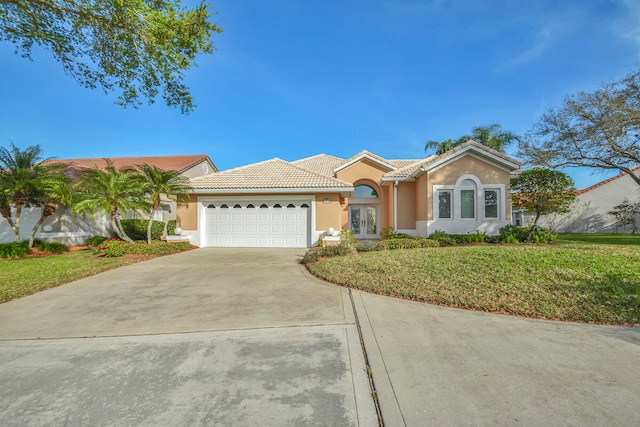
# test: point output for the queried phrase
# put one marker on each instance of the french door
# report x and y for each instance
(363, 221)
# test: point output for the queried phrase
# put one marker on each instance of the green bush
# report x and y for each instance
(50, 247)
(369, 246)
(400, 236)
(158, 248)
(14, 249)
(347, 239)
(446, 241)
(476, 237)
(492, 239)
(386, 232)
(95, 240)
(327, 251)
(437, 234)
(136, 229)
(524, 234)
(171, 226)
(412, 243)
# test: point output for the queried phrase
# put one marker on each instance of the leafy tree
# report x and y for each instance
(158, 182)
(56, 190)
(491, 135)
(137, 46)
(26, 179)
(111, 191)
(599, 129)
(625, 213)
(542, 191)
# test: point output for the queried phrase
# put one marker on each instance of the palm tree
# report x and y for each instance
(26, 179)
(158, 182)
(110, 190)
(493, 136)
(57, 190)
(442, 147)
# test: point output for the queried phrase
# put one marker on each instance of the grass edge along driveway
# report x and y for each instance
(26, 276)
(566, 281)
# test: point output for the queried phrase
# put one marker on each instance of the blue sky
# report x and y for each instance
(291, 79)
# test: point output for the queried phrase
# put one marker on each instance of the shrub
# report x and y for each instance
(14, 249)
(476, 237)
(511, 239)
(412, 243)
(112, 248)
(158, 248)
(524, 234)
(518, 233)
(95, 240)
(492, 239)
(136, 229)
(446, 241)
(171, 226)
(459, 238)
(400, 236)
(50, 247)
(369, 246)
(438, 234)
(347, 239)
(386, 232)
(328, 251)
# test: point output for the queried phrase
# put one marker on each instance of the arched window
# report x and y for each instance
(365, 192)
(467, 199)
(224, 207)
(263, 206)
(237, 206)
(304, 205)
(212, 206)
(250, 206)
(291, 205)
(277, 206)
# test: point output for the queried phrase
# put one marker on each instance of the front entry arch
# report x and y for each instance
(364, 212)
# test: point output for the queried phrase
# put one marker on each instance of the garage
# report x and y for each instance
(256, 223)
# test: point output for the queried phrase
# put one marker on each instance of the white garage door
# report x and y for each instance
(266, 224)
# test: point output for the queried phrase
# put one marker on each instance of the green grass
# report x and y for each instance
(602, 239)
(567, 281)
(21, 277)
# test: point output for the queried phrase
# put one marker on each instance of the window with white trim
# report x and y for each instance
(468, 199)
(491, 198)
(444, 204)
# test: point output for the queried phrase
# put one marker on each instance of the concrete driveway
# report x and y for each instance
(448, 367)
(247, 337)
(208, 337)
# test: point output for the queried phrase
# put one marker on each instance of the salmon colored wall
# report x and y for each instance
(386, 207)
(422, 208)
(362, 170)
(406, 205)
(330, 214)
(486, 173)
(187, 213)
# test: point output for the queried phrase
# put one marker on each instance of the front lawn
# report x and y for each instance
(566, 281)
(602, 239)
(26, 276)
(21, 277)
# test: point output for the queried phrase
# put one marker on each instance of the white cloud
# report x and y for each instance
(543, 39)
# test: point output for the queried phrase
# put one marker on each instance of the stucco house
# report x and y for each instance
(589, 212)
(276, 203)
(71, 229)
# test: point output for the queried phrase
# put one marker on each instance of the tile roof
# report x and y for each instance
(606, 181)
(269, 174)
(179, 163)
(408, 169)
(321, 163)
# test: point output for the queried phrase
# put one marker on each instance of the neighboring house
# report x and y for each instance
(70, 229)
(276, 203)
(589, 212)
